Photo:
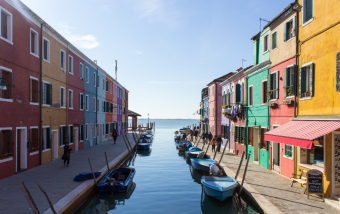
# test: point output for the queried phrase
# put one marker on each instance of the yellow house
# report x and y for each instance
(318, 91)
(54, 77)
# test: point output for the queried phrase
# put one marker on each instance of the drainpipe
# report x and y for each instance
(296, 57)
(40, 100)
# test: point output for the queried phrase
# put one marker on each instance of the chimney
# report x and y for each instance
(95, 61)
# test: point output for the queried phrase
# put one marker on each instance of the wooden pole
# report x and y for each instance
(239, 166)
(107, 163)
(29, 198)
(128, 141)
(199, 139)
(208, 146)
(244, 175)
(48, 199)
(127, 145)
(215, 154)
(223, 152)
(94, 177)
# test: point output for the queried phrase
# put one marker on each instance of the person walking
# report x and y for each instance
(184, 136)
(196, 134)
(205, 137)
(213, 144)
(219, 142)
(210, 136)
(114, 134)
(67, 154)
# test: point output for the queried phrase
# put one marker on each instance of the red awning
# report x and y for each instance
(301, 133)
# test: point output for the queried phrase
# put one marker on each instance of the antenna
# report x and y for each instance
(116, 69)
(243, 60)
(260, 23)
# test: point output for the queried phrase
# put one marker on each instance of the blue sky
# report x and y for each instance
(167, 50)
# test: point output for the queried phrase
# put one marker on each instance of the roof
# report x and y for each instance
(133, 114)
(254, 37)
(222, 78)
(237, 75)
(283, 13)
(257, 67)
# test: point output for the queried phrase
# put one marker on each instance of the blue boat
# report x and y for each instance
(145, 140)
(194, 154)
(123, 178)
(220, 188)
(202, 164)
(194, 149)
(183, 145)
(144, 146)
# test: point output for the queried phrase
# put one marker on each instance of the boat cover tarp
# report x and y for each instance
(86, 175)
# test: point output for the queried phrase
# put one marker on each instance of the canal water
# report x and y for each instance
(164, 182)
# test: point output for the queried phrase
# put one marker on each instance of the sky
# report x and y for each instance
(167, 50)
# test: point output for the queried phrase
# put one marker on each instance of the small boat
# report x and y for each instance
(121, 178)
(194, 149)
(149, 132)
(220, 188)
(194, 154)
(144, 146)
(145, 140)
(147, 136)
(202, 164)
(183, 145)
(141, 152)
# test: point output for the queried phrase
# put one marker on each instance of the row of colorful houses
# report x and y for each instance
(284, 110)
(50, 94)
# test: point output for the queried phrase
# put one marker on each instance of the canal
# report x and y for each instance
(164, 182)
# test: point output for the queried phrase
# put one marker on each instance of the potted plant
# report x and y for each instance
(289, 92)
(307, 94)
(5, 154)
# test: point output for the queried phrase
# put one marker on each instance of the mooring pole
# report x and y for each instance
(215, 154)
(94, 178)
(239, 166)
(223, 152)
(48, 199)
(29, 198)
(244, 175)
(127, 145)
(128, 142)
(208, 146)
(107, 163)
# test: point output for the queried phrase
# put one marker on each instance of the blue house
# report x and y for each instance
(103, 106)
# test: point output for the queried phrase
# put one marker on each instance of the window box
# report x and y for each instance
(6, 155)
(272, 104)
(307, 94)
(288, 102)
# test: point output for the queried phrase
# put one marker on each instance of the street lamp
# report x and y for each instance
(2, 83)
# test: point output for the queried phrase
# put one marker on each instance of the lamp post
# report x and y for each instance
(2, 83)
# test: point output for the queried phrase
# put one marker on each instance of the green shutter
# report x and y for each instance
(285, 82)
(300, 82)
(292, 78)
(235, 134)
(311, 79)
(277, 85)
(337, 72)
(284, 32)
(268, 87)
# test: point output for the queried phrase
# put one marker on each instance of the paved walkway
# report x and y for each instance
(274, 188)
(54, 178)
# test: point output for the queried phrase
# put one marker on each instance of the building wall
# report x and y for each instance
(102, 98)
(264, 56)
(114, 100)
(109, 98)
(19, 112)
(119, 110)
(215, 104)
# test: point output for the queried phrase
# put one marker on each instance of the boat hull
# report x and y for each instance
(191, 154)
(220, 193)
(202, 164)
(104, 186)
(144, 146)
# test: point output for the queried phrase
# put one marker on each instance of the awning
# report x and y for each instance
(301, 133)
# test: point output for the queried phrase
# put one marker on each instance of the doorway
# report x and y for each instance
(55, 144)
(21, 149)
(276, 157)
(75, 139)
(256, 145)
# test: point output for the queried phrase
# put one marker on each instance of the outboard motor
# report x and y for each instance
(112, 184)
(215, 171)
(185, 146)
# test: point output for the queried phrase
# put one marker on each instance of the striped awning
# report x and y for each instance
(301, 133)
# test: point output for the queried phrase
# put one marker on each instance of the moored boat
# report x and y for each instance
(220, 188)
(144, 146)
(194, 154)
(121, 178)
(202, 164)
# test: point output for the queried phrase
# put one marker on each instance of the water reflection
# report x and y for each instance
(144, 152)
(212, 205)
(197, 175)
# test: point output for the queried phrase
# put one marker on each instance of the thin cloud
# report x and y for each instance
(86, 42)
(139, 52)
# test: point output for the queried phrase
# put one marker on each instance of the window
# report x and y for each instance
(81, 101)
(306, 81)
(98, 81)
(307, 11)
(70, 99)
(34, 90)
(46, 144)
(86, 102)
(107, 128)
(94, 79)
(94, 104)
(263, 144)
(63, 60)
(6, 25)
(242, 93)
(87, 74)
(81, 71)
(213, 112)
(70, 64)
(250, 136)
(107, 86)
(289, 29)
(110, 88)
(107, 107)
(250, 94)
(272, 85)
(265, 44)
(264, 91)
(238, 93)
(6, 143)
(111, 128)
(63, 135)
(288, 81)
(46, 50)
(337, 79)
(98, 106)
(314, 156)
(103, 84)
(70, 134)
(9, 81)
(47, 93)
(274, 40)
(111, 107)
(34, 139)
(86, 131)
(288, 151)
(62, 97)
(34, 43)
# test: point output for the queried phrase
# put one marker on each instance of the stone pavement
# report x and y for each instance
(54, 178)
(273, 187)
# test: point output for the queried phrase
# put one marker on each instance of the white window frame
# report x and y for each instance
(64, 60)
(94, 79)
(94, 104)
(48, 60)
(81, 109)
(9, 26)
(82, 71)
(87, 102)
(70, 71)
(306, 22)
(64, 97)
(70, 107)
(272, 40)
(44, 138)
(291, 66)
(277, 91)
(36, 41)
(251, 86)
(290, 20)
(44, 94)
(34, 78)
(88, 74)
(305, 65)
(266, 35)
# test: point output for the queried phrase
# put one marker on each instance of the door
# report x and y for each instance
(21, 149)
(91, 137)
(336, 164)
(276, 157)
(55, 144)
(75, 139)
(256, 144)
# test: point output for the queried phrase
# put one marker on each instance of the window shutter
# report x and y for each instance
(293, 26)
(284, 82)
(277, 85)
(338, 72)
(311, 79)
(284, 32)
(292, 78)
(300, 81)
(48, 138)
(50, 94)
(103, 106)
(268, 86)
(238, 94)
(222, 130)
(30, 95)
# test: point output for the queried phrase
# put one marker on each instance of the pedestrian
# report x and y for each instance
(210, 136)
(205, 137)
(67, 154)
(196, 134)
(213, 144)
(184, 137)
(219, 142)
(114, 134)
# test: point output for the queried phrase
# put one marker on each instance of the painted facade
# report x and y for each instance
(102, 89)
(119, 110)
(108, 115)
(225, 122)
